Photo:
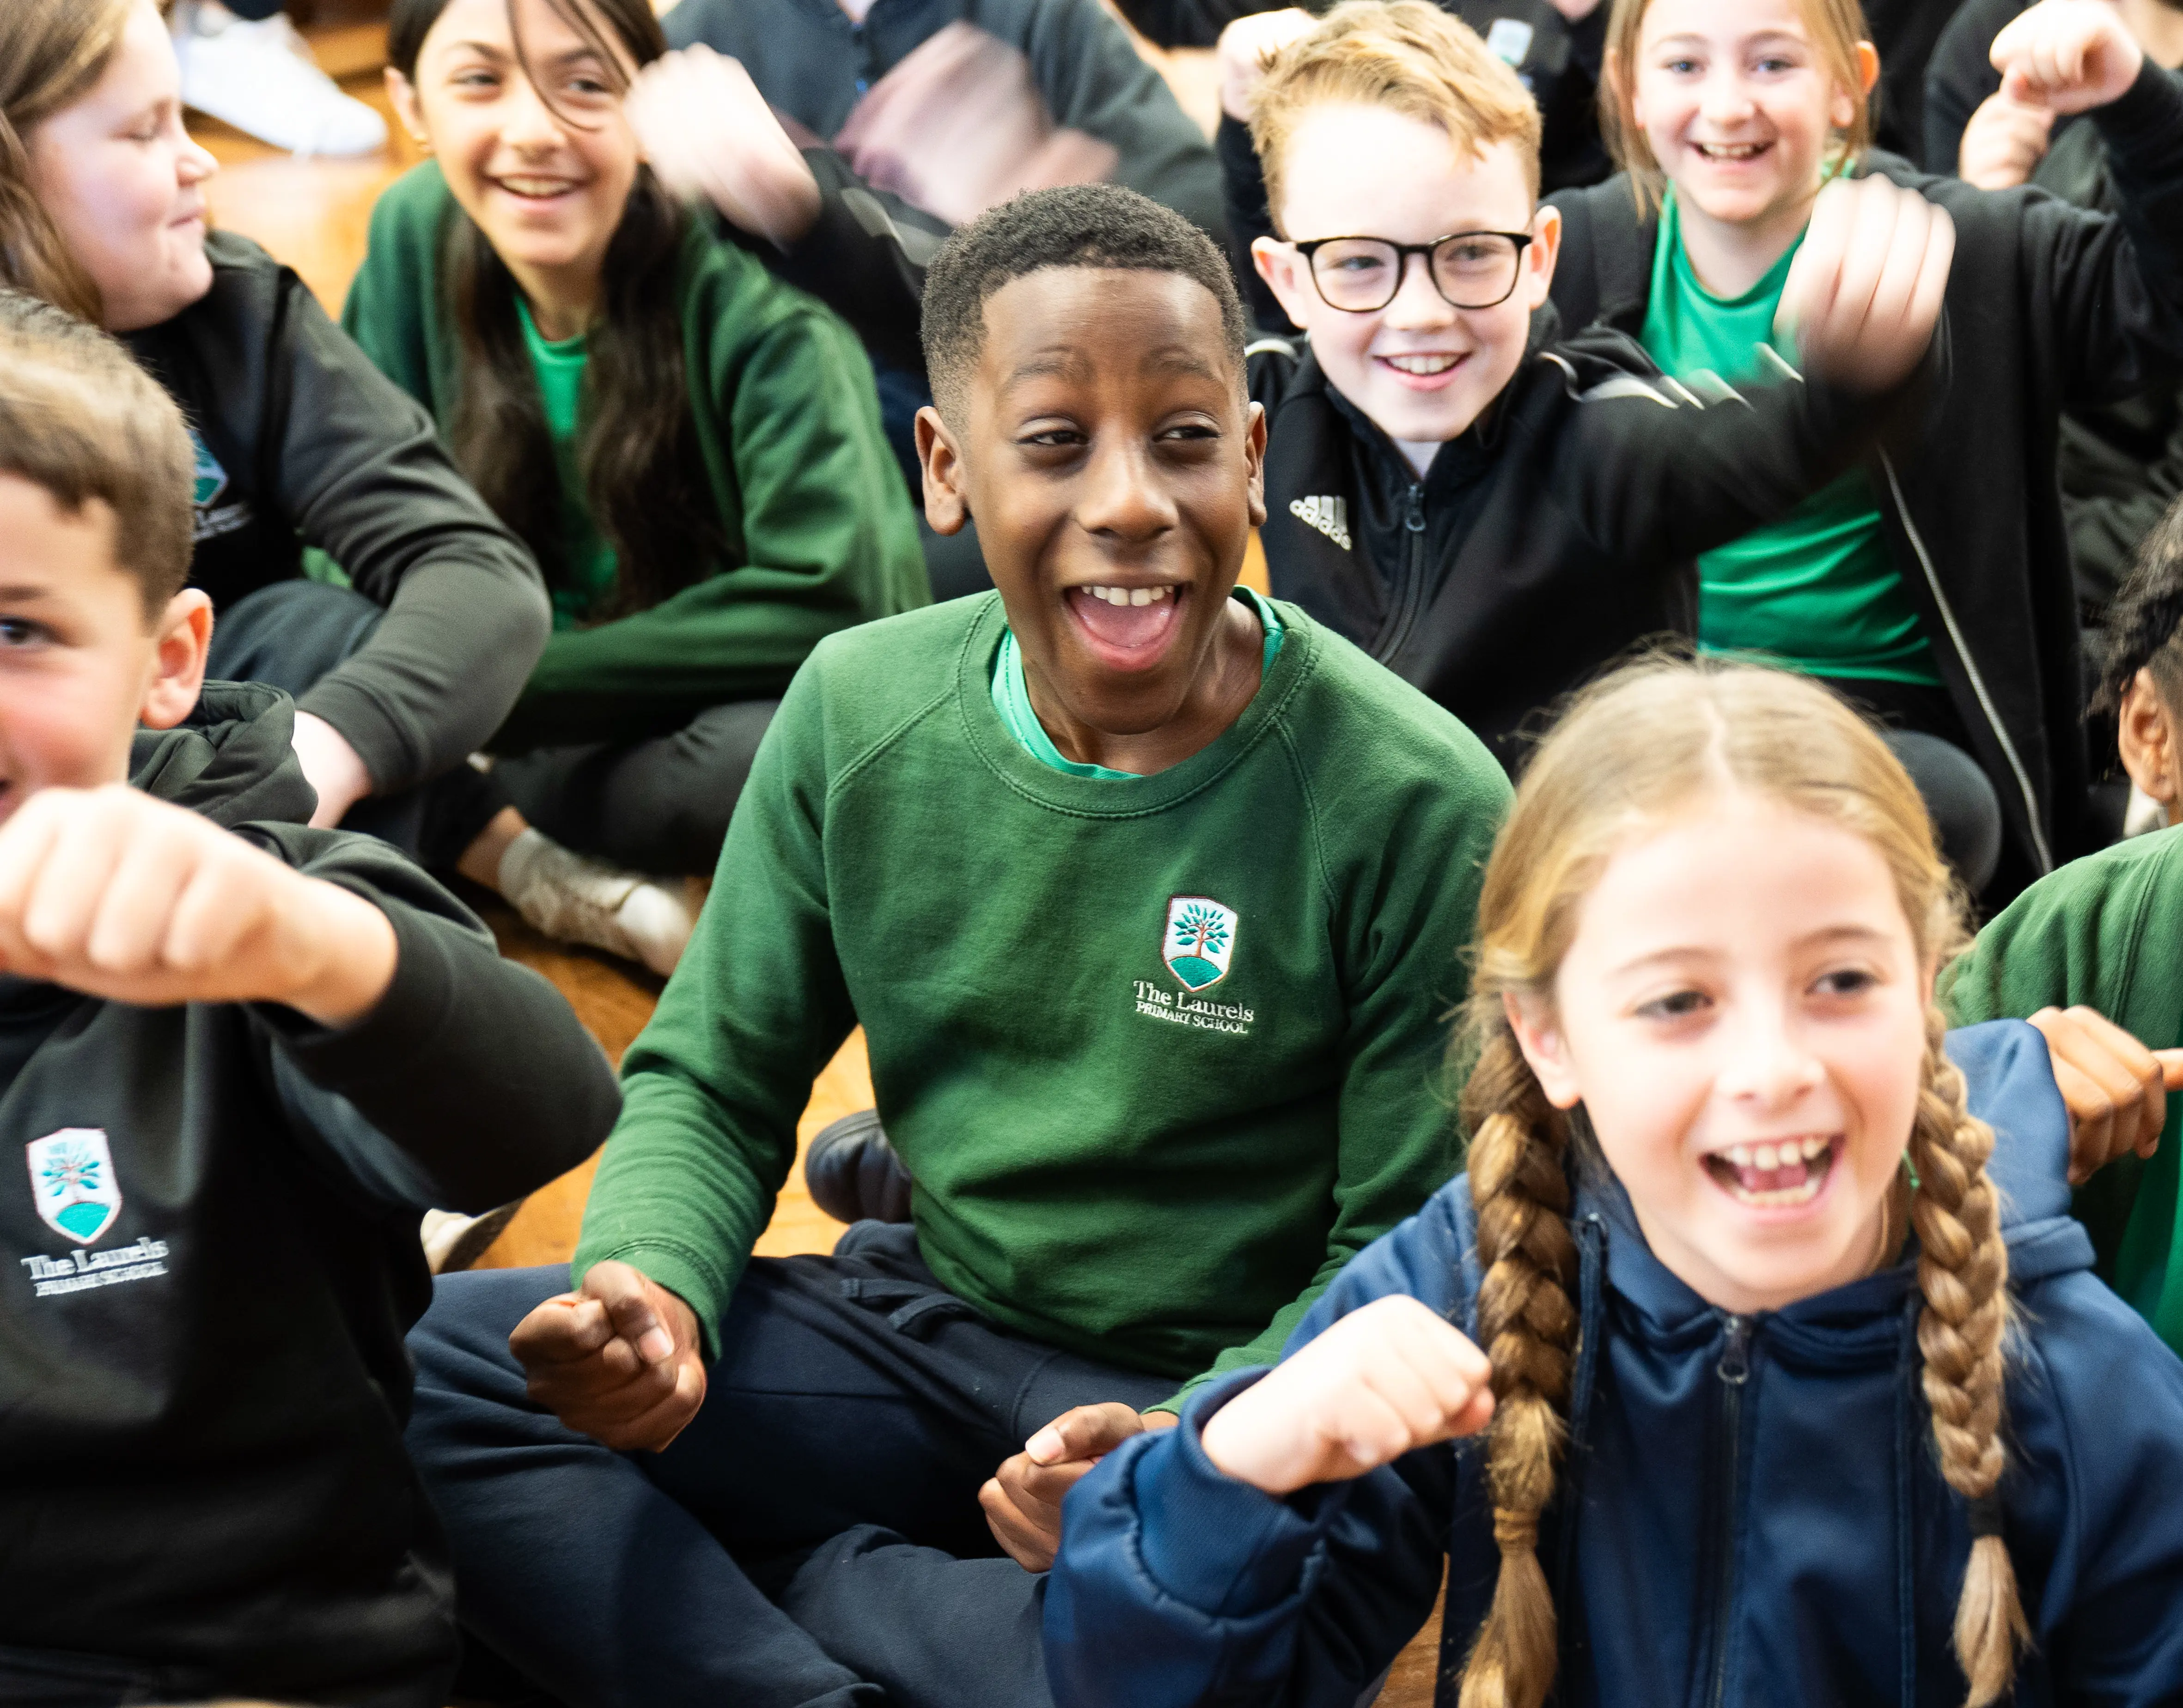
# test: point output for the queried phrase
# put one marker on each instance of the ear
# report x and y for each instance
(1287, 275)
(1842, 110)
(1254, 462)
(2146, 739)
(180, 639)
(946, 498)
(402, 96)
(1540, 1041)
(1540, 258)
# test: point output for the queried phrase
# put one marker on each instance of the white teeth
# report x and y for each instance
(1129, 595)
(1730, 151)
(1739, 1155)
(535, 186)
(1814, 1149)
(1766, 1158)
(1422, 364)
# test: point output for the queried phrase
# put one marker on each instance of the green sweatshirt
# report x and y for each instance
(809, 497)
(2106, 931)
(1161, 1056)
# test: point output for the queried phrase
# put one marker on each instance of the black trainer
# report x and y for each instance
(852, 1173)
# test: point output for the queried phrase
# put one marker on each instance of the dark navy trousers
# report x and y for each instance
(812, 1540)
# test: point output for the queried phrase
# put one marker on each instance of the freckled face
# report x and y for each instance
(1742, 1013)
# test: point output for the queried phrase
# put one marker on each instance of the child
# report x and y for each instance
(1490, 511)
(691, 450)
(1118, 869)
(1789, 1372)
(1931, 584)
(299, 441)
(242, 1057)
(2097, 935)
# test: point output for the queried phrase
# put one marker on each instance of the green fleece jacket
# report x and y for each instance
(810, 499)
(2106, 931)
(1161, 1055)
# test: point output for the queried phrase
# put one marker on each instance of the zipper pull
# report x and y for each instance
(1415, 520)
(1736, 1356)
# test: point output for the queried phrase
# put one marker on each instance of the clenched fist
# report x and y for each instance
(2067, 55)
(117, 895)
(619, 1359)
(1864, 294)
(1391, 1378)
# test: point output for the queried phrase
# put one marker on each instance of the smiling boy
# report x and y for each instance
(1492, 509)
(238, 1057)
(1148, 895)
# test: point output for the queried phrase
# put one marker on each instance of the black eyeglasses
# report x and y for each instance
(1470, 269)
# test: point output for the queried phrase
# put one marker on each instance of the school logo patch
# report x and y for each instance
(72, 1182)
(211, 478)
(1510, 40)
(1330, 516)
(1200, 941)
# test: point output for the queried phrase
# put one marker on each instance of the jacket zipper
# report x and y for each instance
(1733, 1371)
(1971, 669)
(1414, 522)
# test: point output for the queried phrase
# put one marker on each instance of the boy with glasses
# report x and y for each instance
(1492, 510)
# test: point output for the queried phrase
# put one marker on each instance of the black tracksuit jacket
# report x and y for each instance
(203, 1486)
(2049, 307)
(305, 443)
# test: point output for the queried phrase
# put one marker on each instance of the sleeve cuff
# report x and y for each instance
(387, 753)
(406, 1021)
(1211, 1541)
(686, 1274)
(2148, 115)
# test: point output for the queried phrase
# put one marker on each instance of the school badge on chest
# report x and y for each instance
(1200, 941)
(72, 1180)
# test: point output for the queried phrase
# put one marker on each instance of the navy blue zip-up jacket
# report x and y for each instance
(1750, 1509)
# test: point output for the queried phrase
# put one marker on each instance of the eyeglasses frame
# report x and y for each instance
(1522, 239)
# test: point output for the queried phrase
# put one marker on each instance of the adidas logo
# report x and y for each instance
(1330, 516)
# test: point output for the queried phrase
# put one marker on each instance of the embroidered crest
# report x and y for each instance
(1199, 941)
(1330, 516)
(1509, 40)
(211, 478)
(72, 1182)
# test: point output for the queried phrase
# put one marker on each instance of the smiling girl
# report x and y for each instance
(1933, 588)
(692, 448)
(1795, 1388)
(299, 441)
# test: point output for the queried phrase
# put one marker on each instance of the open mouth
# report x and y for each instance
(1782, 1175)
(1731, 153)
(1127, 628)
(540, 190)
(1424, 371)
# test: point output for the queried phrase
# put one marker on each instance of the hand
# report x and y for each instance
(2004, 143)
(1022, 1499)
(1384, 1380)
(111, 893)
(2068, 56)
(707, 131)
(2115, 1088)
(1247, 47)
(1575, 11)
(1865, 293)
(619, 1359)
(332, 766)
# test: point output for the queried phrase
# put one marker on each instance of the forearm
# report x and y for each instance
(442, 671)
(2143, 132)
(864, 257)
(1243, 194)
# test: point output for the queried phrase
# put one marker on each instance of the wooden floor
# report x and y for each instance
(313, 214)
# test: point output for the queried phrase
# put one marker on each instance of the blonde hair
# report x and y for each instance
(1406, 55)
(1634, 749)
(52, 52)
(1838, 28)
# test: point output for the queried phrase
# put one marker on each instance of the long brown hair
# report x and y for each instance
(1837, 27)
(52, 52)
(1642, 744)
(637, 450)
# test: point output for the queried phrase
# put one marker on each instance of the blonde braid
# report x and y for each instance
(1963, 1270)
(1528, 1326)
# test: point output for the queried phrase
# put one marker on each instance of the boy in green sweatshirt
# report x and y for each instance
(1149, 895)
(2089, 955)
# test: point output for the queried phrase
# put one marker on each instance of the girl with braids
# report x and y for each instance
(1741, 1366)
(692, 449)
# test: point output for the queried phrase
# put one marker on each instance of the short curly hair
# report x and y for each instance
(79, 418)
(1080, 225)
(2145, 627)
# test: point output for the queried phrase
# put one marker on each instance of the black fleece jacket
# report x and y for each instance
(1555, 534)
(303, 442)
(2050, 307)
(202, 1378)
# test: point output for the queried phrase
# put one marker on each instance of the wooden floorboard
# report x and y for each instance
(313, 214)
